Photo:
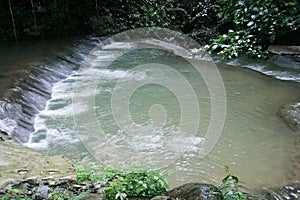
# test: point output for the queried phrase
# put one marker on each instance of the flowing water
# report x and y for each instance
(86, 118)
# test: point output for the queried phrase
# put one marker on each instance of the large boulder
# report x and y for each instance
(196, 191)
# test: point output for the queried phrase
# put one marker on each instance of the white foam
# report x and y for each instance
(42, 144)
(113, 74)
(66, 111)
(120, 45)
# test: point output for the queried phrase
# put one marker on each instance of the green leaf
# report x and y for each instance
(250, 23)
(290, 3)
(6, 196)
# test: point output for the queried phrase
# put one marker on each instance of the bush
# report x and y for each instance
(253, 25)
(122, 185)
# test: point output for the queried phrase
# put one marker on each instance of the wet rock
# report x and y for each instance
(93, 197)
(196, 191)
(161, 198)
(41, 192)
(290, 113)
(58, 190)
(289, 192)
(284, 50)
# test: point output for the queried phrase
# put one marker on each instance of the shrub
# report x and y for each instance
(122, 185)
(253, 25)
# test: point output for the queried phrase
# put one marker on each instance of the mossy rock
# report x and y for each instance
(196, 191)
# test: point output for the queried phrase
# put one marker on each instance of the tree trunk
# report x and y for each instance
(33, 12)
(96, 5)
(13, 21)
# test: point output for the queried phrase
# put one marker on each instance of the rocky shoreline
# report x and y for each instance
(68, 188)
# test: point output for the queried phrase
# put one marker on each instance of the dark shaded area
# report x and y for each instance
(201, 19)
(290, 38)
(44, 19)
(57, 18)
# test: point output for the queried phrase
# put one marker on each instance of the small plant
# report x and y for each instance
(232, 189)
(12, 193)
(124, 185)
(91, 174)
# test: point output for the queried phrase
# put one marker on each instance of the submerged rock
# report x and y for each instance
(290, 113)
(196, 191)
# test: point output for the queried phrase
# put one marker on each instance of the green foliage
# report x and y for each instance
(118, 185)
(91, 174)
(13, 190)
(253, 25)
(232, 188)
(119, 15)
(123, 185)
(233, 44)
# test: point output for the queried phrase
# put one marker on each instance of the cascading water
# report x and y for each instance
(32, 87)
(255, 142)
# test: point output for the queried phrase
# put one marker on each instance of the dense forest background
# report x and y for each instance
(238, 24)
